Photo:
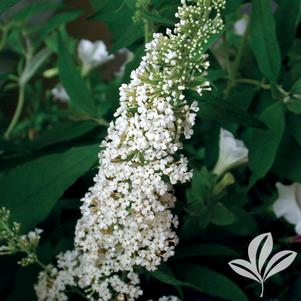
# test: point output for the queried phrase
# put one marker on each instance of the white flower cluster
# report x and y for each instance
(126, 216)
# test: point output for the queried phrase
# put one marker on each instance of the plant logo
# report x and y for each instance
(260, 267)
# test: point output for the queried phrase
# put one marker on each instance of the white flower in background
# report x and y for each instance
(240, 26)
(93, 54)
(168, 298)
(288, 204)
(232, 153)
(127, 219)
(59, 93)
(129, 56)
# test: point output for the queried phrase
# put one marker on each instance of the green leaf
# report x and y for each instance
(222, 216)
(117, 14)
(222, 111)
(165, 275)
(204, 250)
(263, 40)
(132, 33)
(55, 21)
(241, 91)
(74, 84)
(212, 39)
(263, 144)
(31, 190)
(34, 64)
(193, 225)
(296, 88)
(201, 187)
(6, 4)
(210, 282)
(294, 127)
(286, 27)
(245, 224)
(54, 135)
(232, 6)
(35, 8)
(14, 40)
(23, 286)
(53, 40)
(131, 4)
(155, 17)
(288, 161)
(294, 106)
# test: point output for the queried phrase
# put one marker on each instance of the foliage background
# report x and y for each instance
(49, 159)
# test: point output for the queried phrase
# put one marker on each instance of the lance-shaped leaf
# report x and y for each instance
(245, 269)
(263, 40)
(34, 64)
(278, 263)
(73, 82)
(214, 108)
(6, 4)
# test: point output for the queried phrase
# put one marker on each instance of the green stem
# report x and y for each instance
(233, 72)
(76, 117)
(147, 31)
(148, 26)
(253, 82)
(78, 292)
(241, 50)
(41, 264)
(262, 85)
(17, 113)
(4, 36)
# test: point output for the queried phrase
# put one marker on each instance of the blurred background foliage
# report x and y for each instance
(49, 147)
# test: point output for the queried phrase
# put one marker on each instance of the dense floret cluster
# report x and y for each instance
(126, 216)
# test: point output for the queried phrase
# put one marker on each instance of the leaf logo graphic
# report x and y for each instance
(259, 268)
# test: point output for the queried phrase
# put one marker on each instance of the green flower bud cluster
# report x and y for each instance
(15, 242)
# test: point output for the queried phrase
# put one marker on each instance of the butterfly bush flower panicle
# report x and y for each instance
(126, 216)
(232, 153)
(14, 242)
(288, 204)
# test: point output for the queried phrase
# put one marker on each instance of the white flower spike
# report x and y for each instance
(93, 54)
(127, 219)
(288, 204)
(232, 153)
